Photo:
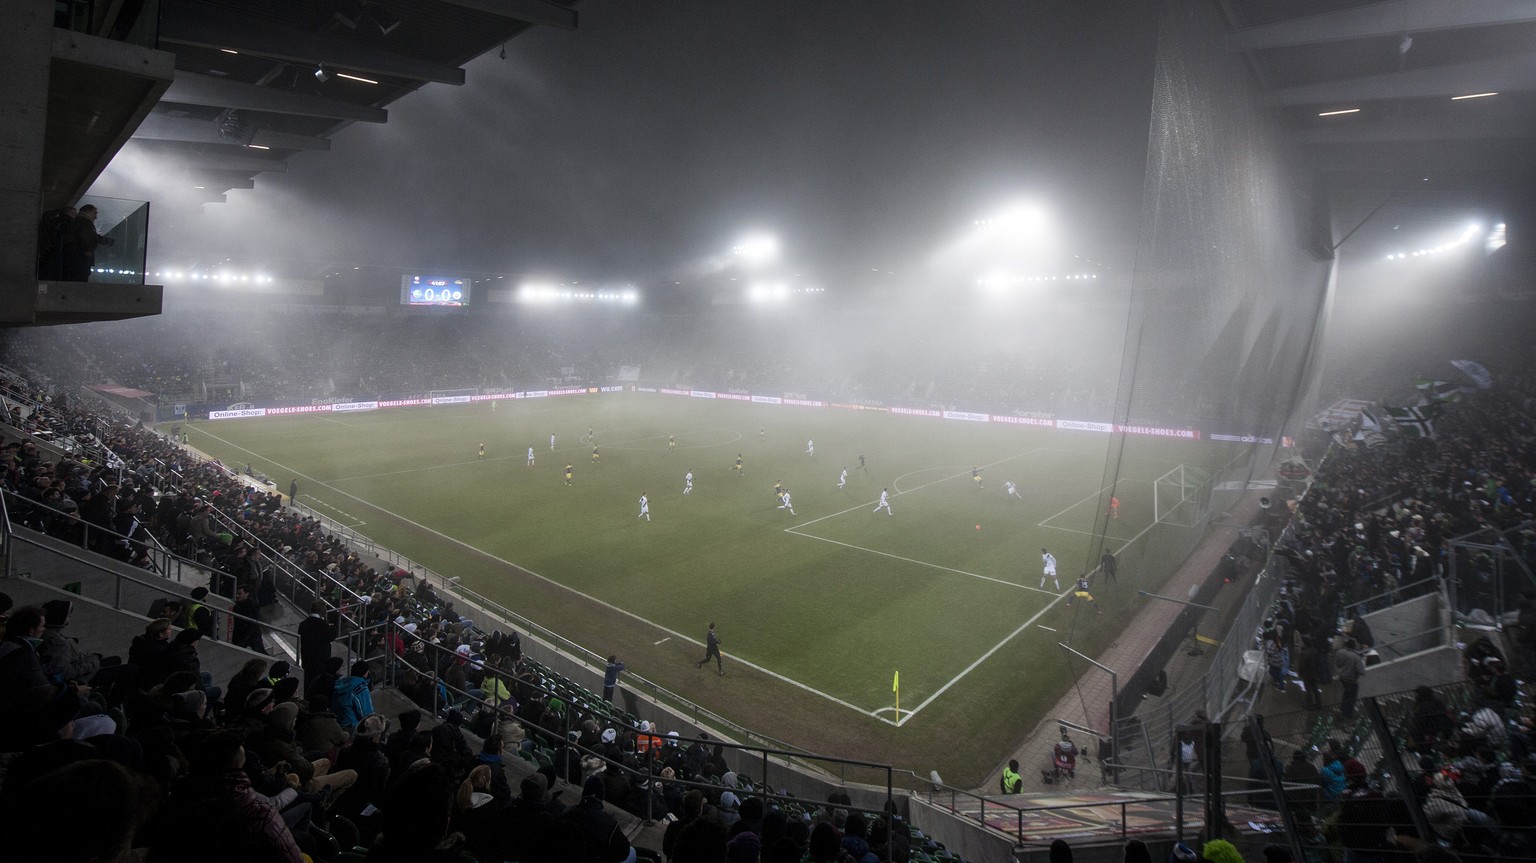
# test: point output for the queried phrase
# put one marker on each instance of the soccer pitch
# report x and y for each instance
(817, 610)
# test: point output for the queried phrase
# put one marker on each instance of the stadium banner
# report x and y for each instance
(740, 397)
(916, 412)
(767, 400)
(1080, 425)
(406, 403)
(1023, 421)
(967, 416)
(645, 389)
(298, 409)
(437, 400)
(701, 394)
(493, 396)
(1339, 414)
(569, 391)
(672, 392)
(1240, 438)
(1187, 434)
(610, 389)
(237, 415)
(344, 407)
(535, 394)
(855, 406)
(805, 403)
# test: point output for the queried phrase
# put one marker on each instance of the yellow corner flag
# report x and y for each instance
(896, 688)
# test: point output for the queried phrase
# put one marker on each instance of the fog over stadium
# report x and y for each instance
(1092, 276)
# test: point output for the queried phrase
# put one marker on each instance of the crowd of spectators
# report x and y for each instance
(1376, 527)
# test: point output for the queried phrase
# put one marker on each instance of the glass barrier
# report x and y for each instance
(126, 224)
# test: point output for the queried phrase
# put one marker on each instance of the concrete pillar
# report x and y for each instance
(26, 53)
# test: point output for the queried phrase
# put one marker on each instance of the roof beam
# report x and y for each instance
(1499, 74)
(197, 89)
(202, 25)
(1394, 18)
(530, 11)
(164, 127)
(206, 158)
(1426, 158)
(1400, 129)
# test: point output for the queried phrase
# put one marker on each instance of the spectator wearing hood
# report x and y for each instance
(587, 832)
(353, 696)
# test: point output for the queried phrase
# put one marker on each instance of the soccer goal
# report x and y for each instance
(464, 391)
(1181, 495)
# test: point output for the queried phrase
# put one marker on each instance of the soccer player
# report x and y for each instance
(1013, 490)
(551, 443)
(843, 479)
(688, 483)
(711, 649)
(810, 448)
(738, 467)
(595, 457)
(1048, 561)
(762, 432)
(589, 433)
(861, 461)
(1081, 592)
(645, 507)
(530, 455)
(569, 471)
(1109, 566)
(786, 504)
(778, 489)
(1114, 507)
(885, 502)
(482, 451)
(976, 476)
(671, 443)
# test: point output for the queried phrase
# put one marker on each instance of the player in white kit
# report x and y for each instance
(1048, 561)
(786, 504)
(885, 502)
(688, 483)
(1013, 490)
(843, 480)
(645, 507)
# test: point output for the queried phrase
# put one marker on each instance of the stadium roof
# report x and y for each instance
(258, 81)
(1413, 149)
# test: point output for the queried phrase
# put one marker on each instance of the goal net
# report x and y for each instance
(1181, 495)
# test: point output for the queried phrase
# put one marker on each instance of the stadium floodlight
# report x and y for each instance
(1338, 113)
(1474, 96)
(1016, 221)
(1495, 238)
(756, 249)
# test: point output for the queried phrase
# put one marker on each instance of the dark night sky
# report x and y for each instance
(863, 132)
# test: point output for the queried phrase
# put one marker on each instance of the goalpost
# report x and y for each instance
(1181, 495)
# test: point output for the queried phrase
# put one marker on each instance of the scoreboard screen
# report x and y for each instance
(434, 291)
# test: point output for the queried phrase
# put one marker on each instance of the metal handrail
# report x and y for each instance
(119, 578)
(166, 557)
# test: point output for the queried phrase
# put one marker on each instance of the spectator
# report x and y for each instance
(353, 697)
(79, 245)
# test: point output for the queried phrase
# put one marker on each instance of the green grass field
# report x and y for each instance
(817, 610)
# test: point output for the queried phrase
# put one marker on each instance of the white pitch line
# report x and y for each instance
(795, 529)
(920, 562)
(608, 605)
(1075, 506)
(999, 646)
(1046, 628)
(663, 641)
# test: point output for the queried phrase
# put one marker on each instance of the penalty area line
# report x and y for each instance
(1011, 636)
(920, 562)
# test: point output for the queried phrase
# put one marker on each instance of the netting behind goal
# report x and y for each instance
(1227, 299)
